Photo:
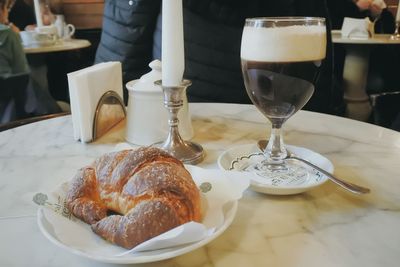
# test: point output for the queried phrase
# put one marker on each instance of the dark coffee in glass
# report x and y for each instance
(279, 89)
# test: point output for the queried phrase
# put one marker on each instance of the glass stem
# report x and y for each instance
(396, 34)
(275, 151)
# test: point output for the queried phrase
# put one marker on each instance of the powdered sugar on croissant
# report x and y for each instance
(151, 190)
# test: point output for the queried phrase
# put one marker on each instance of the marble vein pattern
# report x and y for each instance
(322, 227)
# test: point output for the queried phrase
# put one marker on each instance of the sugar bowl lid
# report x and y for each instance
(146, 82)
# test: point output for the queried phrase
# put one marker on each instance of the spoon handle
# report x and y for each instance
(346, 185)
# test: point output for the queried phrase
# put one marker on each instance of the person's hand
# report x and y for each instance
(47, 19)
(13, 27)
(376, 7)
(363, 4)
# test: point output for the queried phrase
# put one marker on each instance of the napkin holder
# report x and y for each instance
(357, 28)
(96, 100)
(109, 112)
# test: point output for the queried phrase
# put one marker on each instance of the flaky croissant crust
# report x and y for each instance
(150, 190)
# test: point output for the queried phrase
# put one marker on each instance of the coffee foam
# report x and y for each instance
(284, 44)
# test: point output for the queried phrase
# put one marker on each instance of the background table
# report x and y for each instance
(65, 45)
(355, 71)
(323, 227)
(53, 78)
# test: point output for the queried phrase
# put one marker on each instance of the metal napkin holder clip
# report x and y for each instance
(109, 112)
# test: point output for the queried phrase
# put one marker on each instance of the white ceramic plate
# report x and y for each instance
(240, 157)
(49, 232)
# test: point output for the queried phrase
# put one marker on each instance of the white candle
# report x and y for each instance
(172, 48)
(398, 12)
(38, 14)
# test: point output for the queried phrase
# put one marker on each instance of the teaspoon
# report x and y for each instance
(346, 185)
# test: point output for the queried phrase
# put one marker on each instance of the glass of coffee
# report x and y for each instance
(281, 58)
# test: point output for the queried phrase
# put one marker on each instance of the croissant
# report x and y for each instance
(150, 191)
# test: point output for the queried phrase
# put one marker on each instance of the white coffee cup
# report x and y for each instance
(64, 30)
(27, 37)
(69, 31)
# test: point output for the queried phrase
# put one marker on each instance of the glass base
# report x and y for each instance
(186, 151)
(291, 173)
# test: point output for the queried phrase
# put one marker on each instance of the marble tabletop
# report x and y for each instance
(326, 226)
(62, 45)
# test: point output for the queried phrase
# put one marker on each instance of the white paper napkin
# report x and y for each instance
(86, 87)
(357, 28)
(224, 187)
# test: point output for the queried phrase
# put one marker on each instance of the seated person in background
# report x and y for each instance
(213, 30)
(12, 64)
(12, 56)
(376, 10)
(13, 61)
(22, 14)
(47, 14)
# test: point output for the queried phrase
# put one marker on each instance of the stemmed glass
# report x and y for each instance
(396, 34)
(281, 58)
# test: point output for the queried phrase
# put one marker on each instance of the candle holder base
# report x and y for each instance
(186, 151)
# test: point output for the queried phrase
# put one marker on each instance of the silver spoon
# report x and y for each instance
(346, 185)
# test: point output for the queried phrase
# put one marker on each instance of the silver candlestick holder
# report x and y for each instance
(186, 151)
(396, 34)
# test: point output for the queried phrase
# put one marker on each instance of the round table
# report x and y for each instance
(326, 226)
(37, 60)
(63, 45)
(355, 71)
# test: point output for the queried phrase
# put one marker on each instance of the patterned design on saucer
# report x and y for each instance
(300, 174)
(237, 160)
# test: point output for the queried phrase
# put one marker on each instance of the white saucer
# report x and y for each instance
(240, 157)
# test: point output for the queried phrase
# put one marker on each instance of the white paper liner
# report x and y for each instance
(226, 186)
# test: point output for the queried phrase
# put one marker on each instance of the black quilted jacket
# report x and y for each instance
(132, 34)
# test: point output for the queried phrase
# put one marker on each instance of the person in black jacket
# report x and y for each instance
(22, 14)
(212, 31)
